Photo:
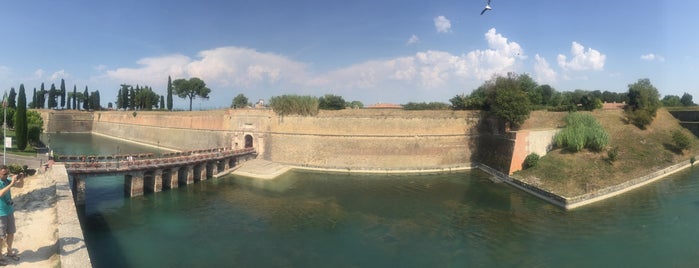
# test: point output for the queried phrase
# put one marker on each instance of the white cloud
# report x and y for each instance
(544, 73)
(59, 75)
(430, 69)
(224, 67)
(442, 24)
(652, 57)
(413, 39)
(582, 60)
(38, 74)
(429, 73)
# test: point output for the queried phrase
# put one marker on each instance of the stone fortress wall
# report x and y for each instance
(363, 139)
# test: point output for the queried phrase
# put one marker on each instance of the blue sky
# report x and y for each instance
(371, 51)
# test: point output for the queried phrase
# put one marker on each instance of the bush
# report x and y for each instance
(532, 160)
(582, 131)
(613, 154)
(692, 159)
(681, 140)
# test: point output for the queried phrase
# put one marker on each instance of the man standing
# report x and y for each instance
(7, 211)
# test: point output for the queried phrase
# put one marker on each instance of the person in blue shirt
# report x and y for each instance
(7, 211)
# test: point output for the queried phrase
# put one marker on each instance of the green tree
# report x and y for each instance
(162, 103)
(240, 101)
(21, 130)
(75, 97)
(145, 98)
(644, 102)
(86, 100)
(686, 99)
(11, 100)
(192, 88)
(94, 101)
(131, 98)
(34, 126)
(355, 105)
(671, 101)
(52, 97)
(507, 100)
(169, 93)
(331, 102)
(63, 93)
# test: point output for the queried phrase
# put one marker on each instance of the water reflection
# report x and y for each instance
(307, 219)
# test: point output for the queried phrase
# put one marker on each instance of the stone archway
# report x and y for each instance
(248, 141)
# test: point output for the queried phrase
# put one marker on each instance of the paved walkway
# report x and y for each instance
(261, 169)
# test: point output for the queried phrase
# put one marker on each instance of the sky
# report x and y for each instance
(373, 51)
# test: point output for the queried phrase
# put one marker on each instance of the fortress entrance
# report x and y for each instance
(248, 141)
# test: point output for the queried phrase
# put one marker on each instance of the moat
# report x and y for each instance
(307, 219)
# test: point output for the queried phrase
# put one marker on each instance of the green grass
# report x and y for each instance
(640, 153)
(29, 151)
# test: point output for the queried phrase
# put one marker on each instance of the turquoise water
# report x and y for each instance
(306, 219)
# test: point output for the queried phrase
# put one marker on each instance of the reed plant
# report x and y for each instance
(582, 131)
(294, 104)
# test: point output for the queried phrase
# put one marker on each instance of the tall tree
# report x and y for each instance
(686, 99)
(132, 98)
(11, 101)
(63, 93)
(644, 101)
(75, 97)
(86, 100)
(169, 93)
(52, 97)
(35, 105)
(192, 88)
(239, 101)
(507, 98)
(94, 100)
(41, 98)
(21, 130)
(162, 103)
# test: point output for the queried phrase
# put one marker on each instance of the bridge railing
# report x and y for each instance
(140, 163)
(113, 157)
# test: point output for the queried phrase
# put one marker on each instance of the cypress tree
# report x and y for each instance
(162, 102)
(169, 93)
(63, 93)
(75, 97)
(52, 97)
(35, 105)
(41, 98)
(21, 130)
(86, 100)
(11, 99)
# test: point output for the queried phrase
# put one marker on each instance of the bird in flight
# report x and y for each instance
(487, 7)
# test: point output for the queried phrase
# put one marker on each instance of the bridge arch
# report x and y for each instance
(248, 141)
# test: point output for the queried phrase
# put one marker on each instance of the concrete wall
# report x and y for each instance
(530, 141)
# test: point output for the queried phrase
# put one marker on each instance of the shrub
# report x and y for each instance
(692, 159)
(681, 140)
(613, 154)
(582, 131)
(532, 160)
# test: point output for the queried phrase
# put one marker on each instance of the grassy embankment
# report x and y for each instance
(640, 153)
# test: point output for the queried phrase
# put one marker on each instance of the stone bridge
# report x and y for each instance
(156, 174)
